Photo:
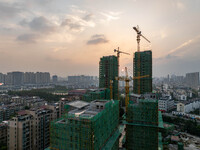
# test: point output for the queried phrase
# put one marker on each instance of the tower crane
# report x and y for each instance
(139, 34)
(127, 79)
(118, 55)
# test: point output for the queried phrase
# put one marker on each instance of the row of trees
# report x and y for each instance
(189, 126)
(46, 94)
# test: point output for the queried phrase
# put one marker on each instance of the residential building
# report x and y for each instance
(1, 115)
(188, 106)
(30, 129)
(82, 81)
(40, 128)
(142, 66)
(2, 78)
(20, 132)
(55, 79)
(165, 104)
(7, 111)
(192, 79)
(3, 133)
(29, 78)
(34, 101)
(55, 111)
(42, 77)
(108, 71)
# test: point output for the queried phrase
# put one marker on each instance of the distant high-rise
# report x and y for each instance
(14, 78)
(42, 77)
(29, 78)
(192, 79)
(108, 70)
(142, 65)
(2, 78)
(55, 79)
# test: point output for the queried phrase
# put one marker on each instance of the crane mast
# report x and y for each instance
(127, 79)
(118, 56)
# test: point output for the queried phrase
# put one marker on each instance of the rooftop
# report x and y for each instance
(78, 104)
(87, 110)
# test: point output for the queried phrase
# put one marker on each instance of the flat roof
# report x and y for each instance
(78, 104)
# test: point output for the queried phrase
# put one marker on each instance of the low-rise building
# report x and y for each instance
(188, 106)
(165, 104)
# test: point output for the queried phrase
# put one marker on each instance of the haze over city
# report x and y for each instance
(68, 37)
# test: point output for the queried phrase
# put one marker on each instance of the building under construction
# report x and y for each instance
(142, 65)
(94, 94)
(108, 70)
(142, 125)
(87, 126)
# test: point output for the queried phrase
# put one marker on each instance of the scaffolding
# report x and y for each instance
(142, 125)
(103, 94)
(144, 59)
(108, 70)
(86, 131)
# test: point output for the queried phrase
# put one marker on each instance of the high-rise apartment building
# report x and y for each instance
(29, 78)
(42, 77)
(2, 78)
(20, 133)
(40, 128)
(142, 65)
(14, 78)
(3, 134)
(192, 79)
(108, 70)
(55, 79)
(30, 129)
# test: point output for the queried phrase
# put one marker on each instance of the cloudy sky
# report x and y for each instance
(68, 37)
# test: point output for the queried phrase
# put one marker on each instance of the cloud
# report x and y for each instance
(183, 50)
(8, 10)
(185, 46)
(88, 17)
(76, 9)
(111, 15)
(41, 24)
(78, 24)
(97, 39)
(72, 25)
(180, 5)
(27, 38)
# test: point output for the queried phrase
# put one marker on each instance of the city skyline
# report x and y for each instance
(69, 37)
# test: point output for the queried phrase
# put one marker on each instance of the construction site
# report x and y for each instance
(94, 123)
(87, 126)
